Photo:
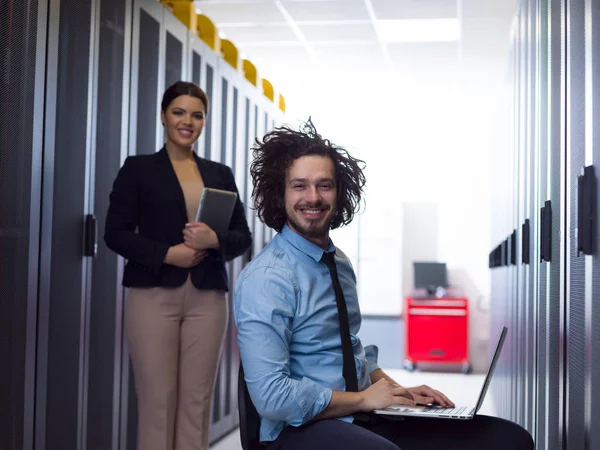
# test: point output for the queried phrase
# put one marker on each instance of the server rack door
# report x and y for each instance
(575, 264)
(529, 322)
(549, 95)
(147, 75)
(23, 44)
(195, 59)
(225, 100)
(512, 201)
(258, 230)
(556, 184)
(519, 199)
(223, 419)
(176, 52)
(144, 138)
(197, 54)
(239, 171)
(249, 141)
(593, 278)
(592, 330)
(210, 85)
(267, 124)
(241, 141)
(106, 306)
(499, 304)
(503, 199)
(246, 153)
(175, 57)
(276, 119)
(66, 203)
(519, 171)
(511, 164)
(539, 148)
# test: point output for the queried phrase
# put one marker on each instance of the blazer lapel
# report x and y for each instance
(208, 178)
(168, 180)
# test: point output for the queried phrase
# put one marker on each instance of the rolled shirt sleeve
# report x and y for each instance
(372, 354)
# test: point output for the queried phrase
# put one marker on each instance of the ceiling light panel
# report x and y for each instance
(483, 37)
(499, 9)
(339, 32)
(359, 54)
(419, 30)
(426, 54)
(327, 10)
(241, 12)
(415, 9)
(258, 33)
(268, 59)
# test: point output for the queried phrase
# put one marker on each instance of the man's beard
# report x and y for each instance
(315, 229)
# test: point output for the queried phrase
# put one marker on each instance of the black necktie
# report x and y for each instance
(348, 370)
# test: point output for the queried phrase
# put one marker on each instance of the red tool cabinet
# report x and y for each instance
(436, 332)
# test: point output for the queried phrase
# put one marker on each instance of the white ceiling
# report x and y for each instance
(287, 35)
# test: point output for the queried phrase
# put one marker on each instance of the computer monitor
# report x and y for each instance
(430, 275)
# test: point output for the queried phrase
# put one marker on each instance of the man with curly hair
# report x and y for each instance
(296, 307)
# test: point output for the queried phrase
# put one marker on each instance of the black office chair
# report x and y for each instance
(249, 418)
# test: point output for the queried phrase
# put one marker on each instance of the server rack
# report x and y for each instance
(554, 111)
(81, 91)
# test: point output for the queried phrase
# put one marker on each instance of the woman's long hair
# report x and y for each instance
(275, 154)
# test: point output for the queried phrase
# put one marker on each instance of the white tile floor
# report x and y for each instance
(461, 389)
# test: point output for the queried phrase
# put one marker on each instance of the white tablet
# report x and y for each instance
(216, 208)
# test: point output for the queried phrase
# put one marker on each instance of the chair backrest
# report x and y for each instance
(249, 418)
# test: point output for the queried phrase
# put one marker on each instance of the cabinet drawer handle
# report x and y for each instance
(437, 312)
(437, 303)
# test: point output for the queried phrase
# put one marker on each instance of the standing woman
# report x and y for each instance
(176, 311)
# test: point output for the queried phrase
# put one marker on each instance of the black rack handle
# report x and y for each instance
(586, 211)
(525, 242)
(513, 248)
(546, 232)
(90, 239)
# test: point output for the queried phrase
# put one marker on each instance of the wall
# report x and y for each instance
(425, 143)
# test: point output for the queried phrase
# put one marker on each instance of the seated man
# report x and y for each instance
(312, 382)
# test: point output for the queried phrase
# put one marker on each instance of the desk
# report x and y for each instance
(436, 332)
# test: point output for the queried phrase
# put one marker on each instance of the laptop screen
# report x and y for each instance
(488, 377)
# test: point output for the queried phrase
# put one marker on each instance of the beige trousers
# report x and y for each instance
(175, 337)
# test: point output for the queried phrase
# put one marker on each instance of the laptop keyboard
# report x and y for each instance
(446, 411)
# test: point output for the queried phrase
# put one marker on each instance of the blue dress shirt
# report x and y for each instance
(288, 332)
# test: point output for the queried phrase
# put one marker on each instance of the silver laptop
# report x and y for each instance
(458, 412)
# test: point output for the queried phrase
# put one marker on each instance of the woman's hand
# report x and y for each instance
(199, 236)
(183, 256)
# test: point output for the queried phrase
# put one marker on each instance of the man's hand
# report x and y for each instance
(183, 256)
(199, 236)
(383, 394)
(423, 395)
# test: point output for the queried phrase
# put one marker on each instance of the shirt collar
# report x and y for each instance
(304, 245)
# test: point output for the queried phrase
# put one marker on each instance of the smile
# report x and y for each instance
(185, 132)
(313, 212)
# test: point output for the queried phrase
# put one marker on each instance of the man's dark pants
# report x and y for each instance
(483, 432)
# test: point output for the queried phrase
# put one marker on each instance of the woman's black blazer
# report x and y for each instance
(147, 215)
